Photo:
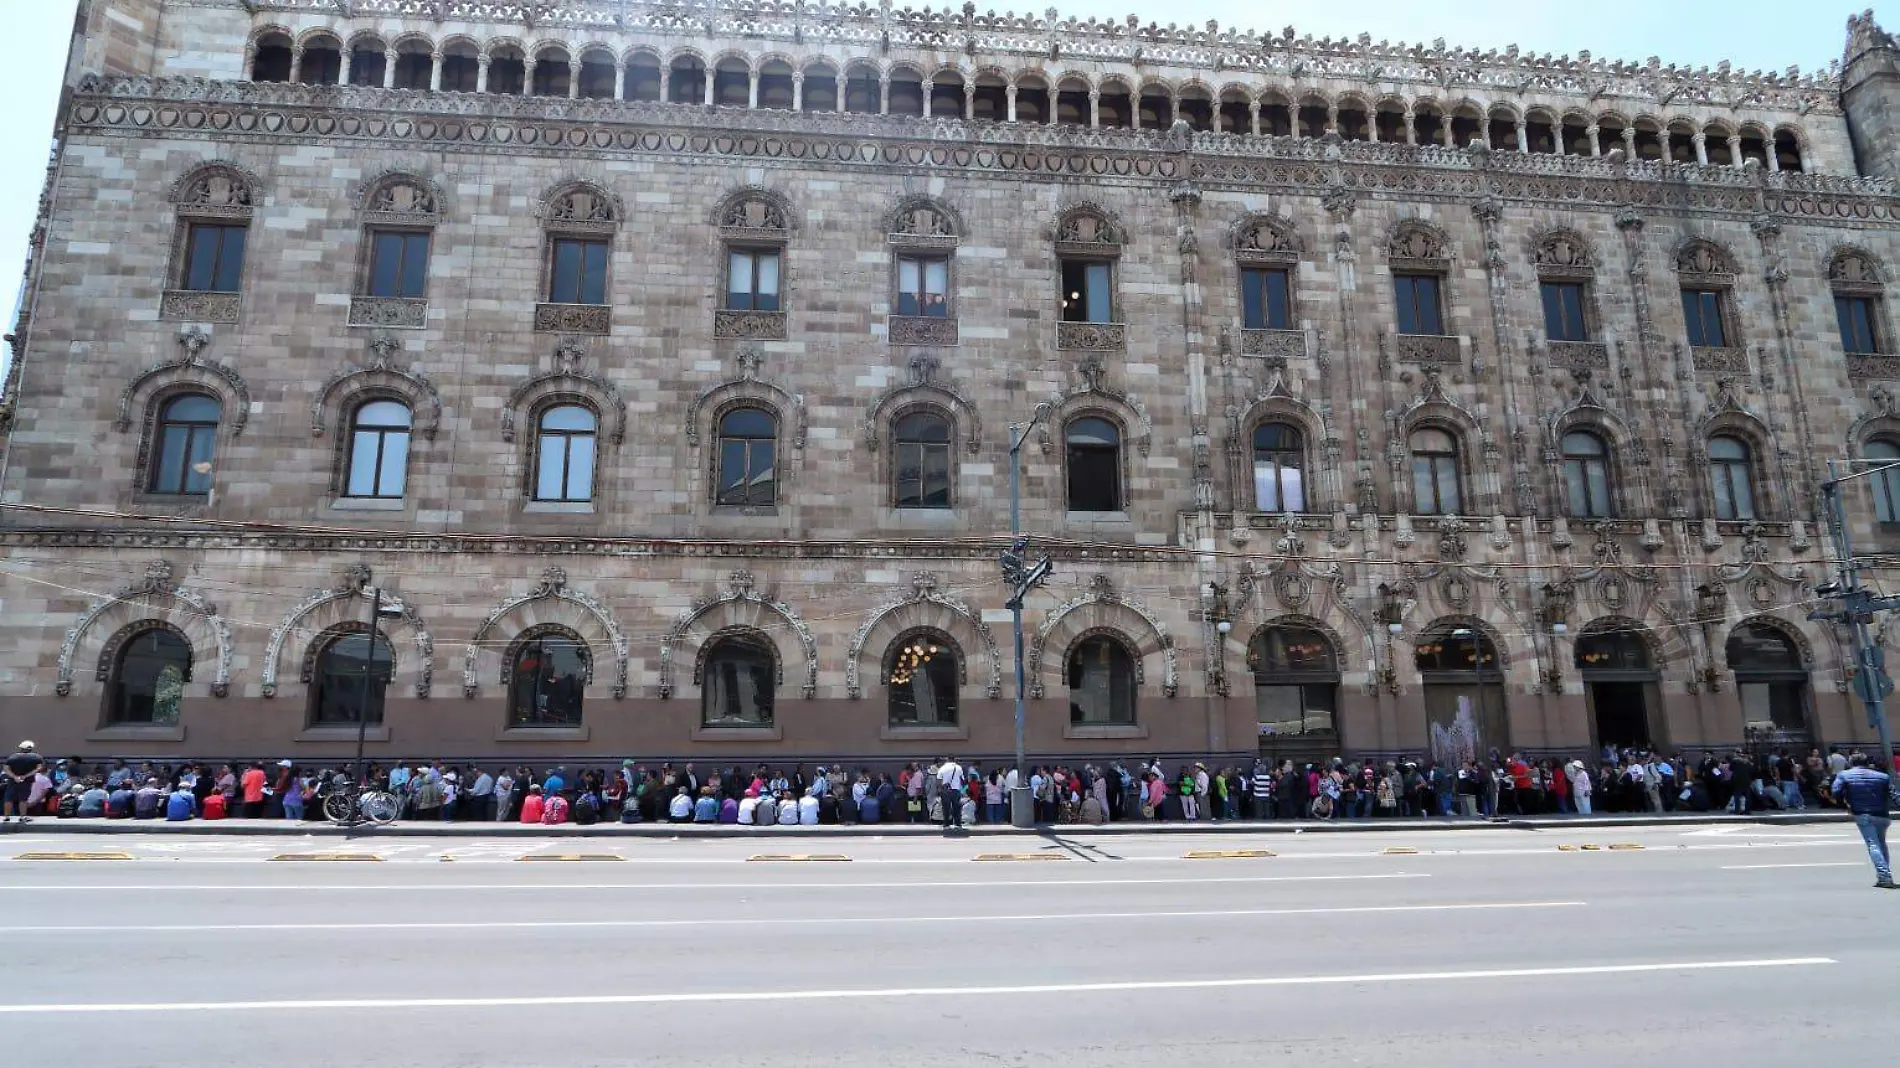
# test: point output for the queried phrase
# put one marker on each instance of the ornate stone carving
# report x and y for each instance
(924, 591)
(1102, 591)
(731, 325)
(1574, 356)
(922, 330)
(749, 385)
(1283, 344)
(924, 386)
(1265, 239)
(216, 190)
(1879, 368)
(923, 223)
(581, 207)
(593, 319)
(396, 313)
(397, 198)
(1426, 348)
(553, 586)
(1088, 230)
(755, 214)
(1855, 272)
(352, 587)
(739, 591)
(569, 375)
(1719, 361)
(425, 403)
(1705, 263)
(1095, 337)
(1094, 389)
(1563, 255)
(193, 364)
(157, 585)
(1417, 246)
(192, 306)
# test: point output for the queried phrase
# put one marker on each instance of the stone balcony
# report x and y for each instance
(731, 325)
(573, 319)
(921, 330)
(192, 306)
(399, 313)
(1092, 337)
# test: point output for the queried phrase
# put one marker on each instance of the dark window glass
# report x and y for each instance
(214, 257)
(1436, 488)
(1732, 471)
(545, 687)
(398, 264)
(1886, 483)
(340, 691)
(923, 286)
(580, 272)
(1419, 311)
(148, 683)
(1095, 466)
(564, 467)
(1101, 683)
(1264, 299)
(1292, 710)
(1702, 312)
(1563, 311)
(460, 74)
(1087, 293)
(748, 446)
(1587, 475)
(367, 63)
(921, 673)
(379, 450)
(1462, 649)
(923, 461)
(187, 438)
(741, 676)
(1279, 482)
(752, 279)
(1856, 316)
(272, 63)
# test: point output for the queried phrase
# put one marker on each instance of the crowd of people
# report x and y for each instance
(944, 791)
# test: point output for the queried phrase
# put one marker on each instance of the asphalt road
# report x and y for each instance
(1747, 945)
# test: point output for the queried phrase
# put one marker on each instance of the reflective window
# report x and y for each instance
(1563, 311)
(379, 450)
(1436, 488)
(1419, 309)
(1856, 318)
(922, 443)
(349, 679)
(1279, 483)
(148, 682)
(1587, 475)
(921, 673)
(1095, 466)
(1702, 312)
(1886, 484)
(1101, 683)
(752, 279)
(923, 286)
(564, 454)
(1265, 302)
(214, 257)
(187, 439)
(547, 682)
(579, 272)
(739, 682)
(1731, 470)
(1088, 291)
(748, 447)
(398, 263)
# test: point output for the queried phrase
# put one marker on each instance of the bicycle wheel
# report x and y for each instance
(336, 808)
(380, 806)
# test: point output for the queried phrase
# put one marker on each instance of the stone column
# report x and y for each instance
(1332, 117)
(1767, 230)
(798, 90)
(1174, 110)
(1595, 134)
(752, 90)
(1095, 108)
(481, 74)
(838, 84)
(969, 99)
(883, 94)
(1523, 136)
(1629, 142)
(435, 72)
(620, 82)
(296, 62)
(666, 84)
(573, 79)
(527, 77)
(1411, 131)
(349, 65)
(1774, 157)
(928, 88)
(709, 86)
(1735, 149)
(1702, 149)
(389, 69)
(1009, 94)
(1253, 117)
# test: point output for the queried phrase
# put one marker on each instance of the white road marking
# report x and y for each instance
(716, 997)
(768, 921)
(280, 888)
(1764, 867)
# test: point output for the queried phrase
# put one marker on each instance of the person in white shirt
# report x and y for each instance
(807, 811)
(748, 810)
(504, 786)
(680, 809)
(950, 780)
(787, 810)
(1579, 786)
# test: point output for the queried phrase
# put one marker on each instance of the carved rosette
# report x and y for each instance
(1720, 361)
(1281, 343)
(187, 306)
(398, 313)
(922, 330)
(1579, 355)
(573, 319)
(1092, 337)
(1427, 348)
(748, 325)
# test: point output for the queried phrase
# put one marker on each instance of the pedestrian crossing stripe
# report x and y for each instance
(799, 857)
(73, 856)
(339, 857)
(570, 856)
(1018, 856)
(1226, 854)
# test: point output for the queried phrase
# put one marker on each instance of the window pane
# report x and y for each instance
(1292, 490)
(1097, 293)
(395, 464)
(1724, 492)
(1406, 293)
(1599, 480)
(762, 487)
(385, 256)
(1266, 485)
(168, 474)
(201, 258)
(909, 286)
(1579, 491)
(565, 285)
(937, 288)
(1744, 492)
(936, 489)
(1279, 310)
(198, 459)
(748, 422)
(594, 273)
(567, 417)
(1253, 302)
(1423, 488)
(230, 259)
(1428, 311)
(364, 463)
(553, 464)
(415, 264)
(1448, 496)
(580, 468)
(768, 281)
(910, 470)
(732, 472)
(739, 280)
(1074, 291)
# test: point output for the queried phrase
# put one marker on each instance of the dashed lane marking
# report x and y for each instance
(1226, 854)
(73, 856)
(333, 857)
(823, 858)
(570, 856)
(1018, 856)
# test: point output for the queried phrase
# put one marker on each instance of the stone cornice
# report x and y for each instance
(192, 107)
(1221, 52)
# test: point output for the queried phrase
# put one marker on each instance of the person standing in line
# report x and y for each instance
(1868, 794)
(950, 783)
(252, 784)
(1579, 777)
(22, 768)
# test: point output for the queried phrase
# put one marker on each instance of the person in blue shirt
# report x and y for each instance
(92, 803)
(1868, 793)
(119, 802)
(180, 806)
(706, 809)
(554, 783)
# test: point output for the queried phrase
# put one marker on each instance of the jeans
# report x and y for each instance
(1468, 805)
(1873, 829)
(1583, 804)
(1791, 795)
(999, 812)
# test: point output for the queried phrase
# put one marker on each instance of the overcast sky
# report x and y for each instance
(1751, 34)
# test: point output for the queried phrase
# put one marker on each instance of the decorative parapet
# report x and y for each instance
(1578, 355)
(191, 306)
(1284, 343)
(395, 313)
(922, 330)
(1426, 348)
(1092, 337)
(573, 319)
(748, 325)
(1719, 361)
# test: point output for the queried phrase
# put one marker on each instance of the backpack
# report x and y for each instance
(68, 806)
(585, 811)
(630, 814)
(555, 810)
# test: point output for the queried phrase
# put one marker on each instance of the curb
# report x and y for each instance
(280, 829)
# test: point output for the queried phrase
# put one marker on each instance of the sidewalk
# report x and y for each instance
(433, 829)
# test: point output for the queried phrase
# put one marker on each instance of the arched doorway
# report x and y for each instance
(1296, 692)
(1465, 714)
(1771, 679)
(1620, 685)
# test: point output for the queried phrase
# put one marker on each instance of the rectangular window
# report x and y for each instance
(1856, 315)
(1563, 312)
(752, 276)
(214, 257)
(923, 286)
(398, 263)
(1276, 486)
(1419, 311)
(1702, 313)
(1264, 299)
(923, 474)
(579, 275)
(1294, 709)
(1087, 292)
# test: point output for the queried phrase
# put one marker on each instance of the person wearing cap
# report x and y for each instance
(22, 768)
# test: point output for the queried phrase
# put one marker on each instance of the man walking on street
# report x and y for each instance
(950, 784)
(21, 769)
(1867, 793)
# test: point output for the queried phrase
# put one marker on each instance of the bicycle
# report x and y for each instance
(347, 805)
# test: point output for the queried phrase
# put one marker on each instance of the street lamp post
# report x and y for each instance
(378, 609)
(1023, 577)
(1856, 608)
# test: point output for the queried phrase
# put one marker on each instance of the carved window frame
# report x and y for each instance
(1283, 255)
(313, 655)
(715, 469)
(737, 234)
(190, 212)
(1611, 506)
(1872, 287)
(377, 219)
(1760, 499)
(921, 406)
(1304, 450)
(1122, 471)
(144, 468)
(1460, 462)
(343, 454)
(531, 460)
(1581, 271)
(887, 664)
(1404, 257)
(903, 242)
(1720, 280)
(555, 229)
(1136, 676)
(703, 659)
(1106, 246)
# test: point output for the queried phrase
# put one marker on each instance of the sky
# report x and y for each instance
(1750, 34)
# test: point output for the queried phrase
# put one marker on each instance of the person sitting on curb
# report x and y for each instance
(533, 806)
(180, 806)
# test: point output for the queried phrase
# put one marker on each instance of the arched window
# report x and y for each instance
(1731, 471)
(349, 678)
(1886, 484)
(1279, 458)
(741, 675)
(270, 61)
(1296, 681)
(1771, 680)
(148, 681)
(922, 673)
(1094, 448)
(1464, 692)
(1587, 475)
(185, 439)
(321, 62)
(379, 450)
(922, 441)
(1436, 486)
(564, 454)
(546, 682)
(1101, 683)
(748, 448)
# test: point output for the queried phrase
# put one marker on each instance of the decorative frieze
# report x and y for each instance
(1426, 348)
(395, 313)
(189, 306)
(573, 319)
(1885, 368)
(1710, 360)
(1578, 355)
(748, 325)
(922, 330)
(1093, 337)
(1281, 343)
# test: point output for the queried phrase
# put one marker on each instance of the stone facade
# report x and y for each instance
(167, 124)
